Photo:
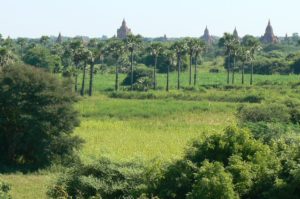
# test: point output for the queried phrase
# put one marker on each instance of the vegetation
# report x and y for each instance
(149, 143)
(4, 191)
(37, 117)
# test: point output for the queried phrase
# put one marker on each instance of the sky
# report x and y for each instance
(150, 18)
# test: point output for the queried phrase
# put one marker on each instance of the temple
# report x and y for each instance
(235, 34)
(206, 37)
(59, 39)
(269, 36)
(123, 31)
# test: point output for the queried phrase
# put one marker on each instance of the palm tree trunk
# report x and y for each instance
(243, 72)
(191, 60)
(117, 78)
(233, 70)
(131, 68)
(91, 79)
(228, 69)
(76, 82)
(83, 80)
(195, 75)
(76, 78)
(154, 73)
(251, 77)
(168, 73)
(178, 74)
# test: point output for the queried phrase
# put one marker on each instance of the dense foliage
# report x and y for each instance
(36, 117)
(229, 165)
(102, 179)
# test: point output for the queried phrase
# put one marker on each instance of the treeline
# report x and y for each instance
(78, 56)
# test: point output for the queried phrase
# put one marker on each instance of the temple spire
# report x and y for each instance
(207, 37)
(59, 39)
(123, 31)
(269, 36)
(235, 33)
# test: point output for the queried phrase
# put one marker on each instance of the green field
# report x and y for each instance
(155, 125)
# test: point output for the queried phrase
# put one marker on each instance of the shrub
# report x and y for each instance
(36, 117)
(212, 182)
(229, 165)
(264, 113)
(4, 190)
(102, 179)
(142, 78)
(214, 70)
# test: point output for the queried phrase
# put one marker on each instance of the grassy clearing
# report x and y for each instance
(28, 185)
(147, 129)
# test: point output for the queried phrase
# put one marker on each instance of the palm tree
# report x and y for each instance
(117, 50)
(86, 57)
(172, 61)
(191, 51)
(6, 57)
(74, 50)
(243, 56)
(92, 45)
(253, 45)
(155, 50)
(199, 48)
(22, 42)
(230, 43)
(180, 48)
(132, 43)
(234, 51)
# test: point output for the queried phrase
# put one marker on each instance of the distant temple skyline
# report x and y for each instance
(268, 37)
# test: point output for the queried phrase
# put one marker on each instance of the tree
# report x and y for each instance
(155, 50)
(41, 57)
(73, 50)
(88, 59)
(191, 51)
(37, 117)
(231, 45)
(172, 61)
(116, 48)
(199, 48)
(97, 50)
(180, 48)
(213, 182)
(44, 40)
(253, 46)
(132, 43)
(6, 57)
(22, 43)
(243, 56)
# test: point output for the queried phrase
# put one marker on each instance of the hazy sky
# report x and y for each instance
(175, 18)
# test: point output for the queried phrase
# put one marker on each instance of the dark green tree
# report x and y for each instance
(37, 117)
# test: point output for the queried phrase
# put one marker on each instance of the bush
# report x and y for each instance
(230, 165)
(264, 113)
(214, 70)
(142, 78)
(4, 190)
(102, 179)
(36, 117)
(212, 182)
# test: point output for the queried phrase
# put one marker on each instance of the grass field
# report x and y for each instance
(146, 129)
